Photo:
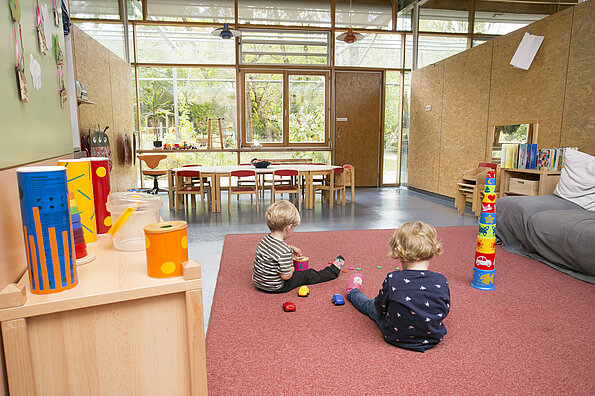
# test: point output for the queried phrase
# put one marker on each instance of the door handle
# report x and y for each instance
(339, 133)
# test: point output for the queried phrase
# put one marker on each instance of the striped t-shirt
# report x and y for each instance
(273, 257)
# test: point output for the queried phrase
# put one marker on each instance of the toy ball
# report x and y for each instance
(303, 291)
(288, 306)
(338, 299)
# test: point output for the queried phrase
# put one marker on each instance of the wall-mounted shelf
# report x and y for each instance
(83, 101)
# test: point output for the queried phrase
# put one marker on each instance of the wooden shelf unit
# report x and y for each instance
(547, 180)
(117, 332)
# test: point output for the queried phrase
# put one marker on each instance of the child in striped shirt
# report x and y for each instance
(273, 269)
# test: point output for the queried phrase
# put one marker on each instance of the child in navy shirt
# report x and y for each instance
(412, 303)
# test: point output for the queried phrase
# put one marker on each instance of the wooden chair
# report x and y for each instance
(184, 188)
(292, 185)
(251, 189)
(470, 189)
(152, 162)
(331, 185)
(349, 179)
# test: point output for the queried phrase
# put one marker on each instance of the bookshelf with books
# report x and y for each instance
(515, 181)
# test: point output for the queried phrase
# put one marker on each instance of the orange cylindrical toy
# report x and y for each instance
(167, 248)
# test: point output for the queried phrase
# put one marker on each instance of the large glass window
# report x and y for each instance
(182, 44)
(405, 129)
(364, 14)
(285, 12)
(264, 108)
(177, 103)
(285, 108)
(307, 101)
(432, 49)
(218, 11)
(374, 50)
(286, 47)
(392, 117)
(502, 17)
(98, 9)
(440, 16)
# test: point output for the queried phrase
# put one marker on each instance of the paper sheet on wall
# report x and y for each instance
(526, 51)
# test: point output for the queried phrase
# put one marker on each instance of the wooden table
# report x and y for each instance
(118, 332)
(217, 172)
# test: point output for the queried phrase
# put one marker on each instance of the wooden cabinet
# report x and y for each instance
(118, 332)
(547, 180)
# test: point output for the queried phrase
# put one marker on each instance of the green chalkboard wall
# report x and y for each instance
(40, 128)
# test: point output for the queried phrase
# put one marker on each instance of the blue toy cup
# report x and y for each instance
(483, 280)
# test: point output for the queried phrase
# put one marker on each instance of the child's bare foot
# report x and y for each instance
(355, 282)
(339, 261)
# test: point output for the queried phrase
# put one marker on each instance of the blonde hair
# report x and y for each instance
(414, 241)
(281, 214)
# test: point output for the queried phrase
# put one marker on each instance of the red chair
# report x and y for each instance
(331, 185)
(252, 189)
(292, 185)
(183, 189)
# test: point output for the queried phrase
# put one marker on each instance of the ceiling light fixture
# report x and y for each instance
(350, 36)
(225, 32)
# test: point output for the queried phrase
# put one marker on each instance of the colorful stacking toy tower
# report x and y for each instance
(80, 246)
(483, 270)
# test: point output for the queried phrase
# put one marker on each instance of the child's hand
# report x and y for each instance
(296, 251)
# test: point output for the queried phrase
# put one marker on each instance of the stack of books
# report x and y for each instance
(527, 156)
(552, 159)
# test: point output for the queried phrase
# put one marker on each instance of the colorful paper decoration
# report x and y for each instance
(47, 228)
(167, 248)
(483, 269)
(101, 190)
(78, 172)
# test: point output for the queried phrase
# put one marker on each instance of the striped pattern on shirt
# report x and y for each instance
(273, 257)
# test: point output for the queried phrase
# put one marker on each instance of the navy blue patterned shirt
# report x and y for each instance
(412, 305)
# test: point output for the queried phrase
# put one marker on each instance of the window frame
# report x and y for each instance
(244, 143)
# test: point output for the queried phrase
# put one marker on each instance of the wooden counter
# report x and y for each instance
(118, 332)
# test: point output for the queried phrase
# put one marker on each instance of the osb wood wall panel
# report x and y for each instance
(125, 176)
(358, 100)
(464, 114)
(537, 94)
(578, 122)
(108, 79)
(424, 136)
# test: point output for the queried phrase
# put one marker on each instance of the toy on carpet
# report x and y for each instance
(359, 269)
(483, 269)
(301, 263)
(288, 306)
(351, 268)
(344, 270)
(379, 267)
(303, 291)
(397, 268)
(338, 299)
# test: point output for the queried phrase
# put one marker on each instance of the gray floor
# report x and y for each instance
(374, 208)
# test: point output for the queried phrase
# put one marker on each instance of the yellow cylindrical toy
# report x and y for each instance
(167, 248)
(78, 173)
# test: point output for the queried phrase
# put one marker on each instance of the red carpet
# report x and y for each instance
(534, 334)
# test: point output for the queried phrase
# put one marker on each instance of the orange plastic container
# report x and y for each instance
(167, 248)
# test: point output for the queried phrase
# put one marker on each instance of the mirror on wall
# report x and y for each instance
(523, 132)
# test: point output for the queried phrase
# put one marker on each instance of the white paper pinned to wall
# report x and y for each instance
(525, 53)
